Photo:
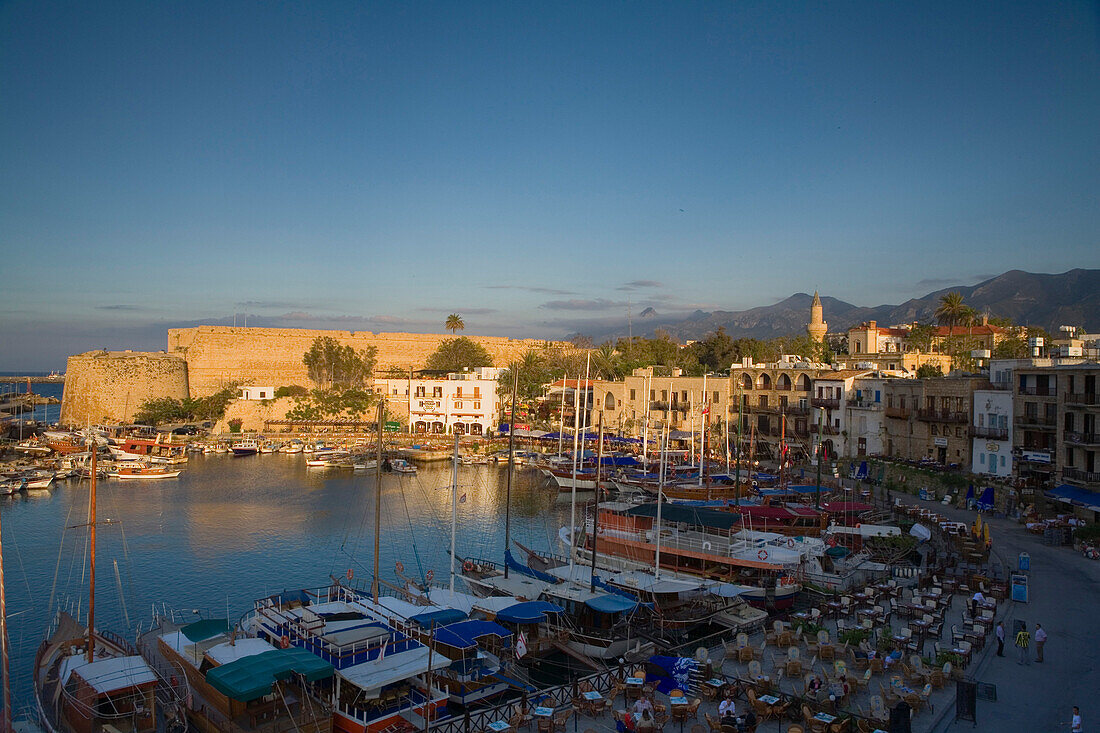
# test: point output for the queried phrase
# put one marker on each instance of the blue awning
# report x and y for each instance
(1076, 496)
(611, 604)
(530, 612)
(440, 617)
(464, 634)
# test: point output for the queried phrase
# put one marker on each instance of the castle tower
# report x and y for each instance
(816, 328)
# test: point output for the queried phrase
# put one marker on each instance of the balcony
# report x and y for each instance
(1038, 392)
(942, 416)
(1076, 474)
(825, 430)
(1035, 421)
(1083, 398)
(828, 403)
(989, 433)
(658, 405)
(900, 413)
(865, 405)
(1082, 438)
(796, 410)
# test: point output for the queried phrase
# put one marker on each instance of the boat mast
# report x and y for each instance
(645, 419)
(4, 652)
(561, 416)
(783, 449)
(703, 429)
(596, 507)
(660, 493)
(454, 507)
(91, 575)
(576, 435)
(378, 499)
(740, 423)
(512, 460)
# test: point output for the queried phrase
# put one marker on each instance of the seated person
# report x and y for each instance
(813, 689)
(727, 710)
(892, 658)
(646, 724)
(748, 722)
(641, 705)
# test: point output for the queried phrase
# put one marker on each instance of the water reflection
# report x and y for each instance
(230, 530)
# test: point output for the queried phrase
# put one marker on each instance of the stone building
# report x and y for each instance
(991, 432)
(462, 402)
(110, 386)
(817, 327)
(929, 419)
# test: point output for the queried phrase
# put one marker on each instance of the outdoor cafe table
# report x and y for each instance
(499, 726)
(593, 695)
(633, 687)
(543, 712)
(768, 699)
(824, 718)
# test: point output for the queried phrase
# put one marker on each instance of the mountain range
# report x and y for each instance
(1027, 298)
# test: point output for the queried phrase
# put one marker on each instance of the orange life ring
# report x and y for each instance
(399, 566)
(790, 542)
(284, 642)
(429, 575)
(763, 554)
(467, 566)
(350, 573)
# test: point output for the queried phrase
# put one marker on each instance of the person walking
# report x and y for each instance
(1075, 721)
(1023, 641)
(1000, 638)
(1040, 640)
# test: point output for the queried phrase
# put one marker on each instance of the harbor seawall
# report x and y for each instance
(110, 386)
(218, 355)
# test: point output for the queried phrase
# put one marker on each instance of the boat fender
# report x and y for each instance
(790, 542)
(763, 554)
(706, 545)
(479, 568)
(284, 642)
(399, 566)
(467, 566)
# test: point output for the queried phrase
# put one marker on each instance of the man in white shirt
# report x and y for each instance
(1075, 721)
(976, 604)
(643, 703)
(727, 708)
(1040, 639)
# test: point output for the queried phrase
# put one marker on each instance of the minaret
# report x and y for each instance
(817, 328)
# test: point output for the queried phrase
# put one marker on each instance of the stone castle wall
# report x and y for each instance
(110, 386)
(218, 355)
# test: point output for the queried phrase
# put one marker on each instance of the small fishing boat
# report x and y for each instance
(247, 447)
(400, 465)
(139, 470)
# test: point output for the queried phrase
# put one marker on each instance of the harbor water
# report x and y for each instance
(230, 530)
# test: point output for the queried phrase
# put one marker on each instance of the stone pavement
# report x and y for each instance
(1065, 599)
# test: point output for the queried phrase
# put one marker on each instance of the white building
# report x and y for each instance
(463, 402)
(865, 416)
(256, 393)
(833, 391)
(992, 432)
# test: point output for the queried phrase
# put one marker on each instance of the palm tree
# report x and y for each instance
(454, 323)
(951, 311)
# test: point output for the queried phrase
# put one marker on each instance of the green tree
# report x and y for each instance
(920, 337)
(453, 355)
(951, 310)
(454, 323)
(928, 371)
(331, 363)
(291, 390)
(159, 411)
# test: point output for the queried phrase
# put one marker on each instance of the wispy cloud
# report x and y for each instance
(266, 304)
(531, 289)
(638, 285)
(579, 304)
(120, 307)
(934, 283)
(464, 311)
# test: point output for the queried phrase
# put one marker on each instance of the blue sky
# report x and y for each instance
(534, 167)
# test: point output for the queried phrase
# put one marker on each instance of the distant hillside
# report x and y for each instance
(1071, 298)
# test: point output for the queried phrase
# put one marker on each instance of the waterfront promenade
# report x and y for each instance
(1065, 599)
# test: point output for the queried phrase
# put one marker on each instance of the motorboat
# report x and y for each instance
(247, 447)
(140, 470)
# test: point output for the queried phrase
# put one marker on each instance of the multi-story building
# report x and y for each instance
(774, 402)
(991, 433)
(930, 418)
(833, 391)
(866, 416)
(463, 402)
(1057, 429)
